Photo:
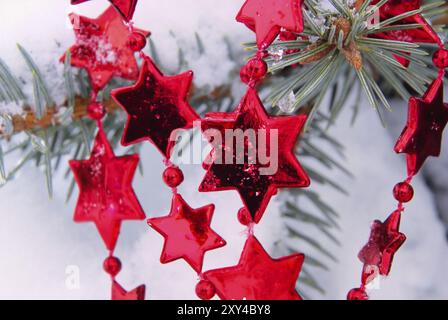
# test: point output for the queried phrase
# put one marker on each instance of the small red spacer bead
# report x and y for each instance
(244, 216)
(357, 294)
(205, 290)
(112, 265)
(137, 41)
(173, 176)
(254, 70)
(440, 58)
(403, 192)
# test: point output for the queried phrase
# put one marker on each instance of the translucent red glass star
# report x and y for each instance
(106, 195)
(255, 180)
(422, 136)
(268, 17)
(187, 233)
(102, 48)
(385, 239)
(126, 8)
(157, 106)
(257, 276)
(118, 293)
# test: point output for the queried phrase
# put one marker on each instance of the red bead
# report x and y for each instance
(357, 294)
(403, 192)
(440, 58)
(254, 70)
(205, 290)
(112, 265)
(173, 176)
(244, 217)
(137, 41)
(96, 111)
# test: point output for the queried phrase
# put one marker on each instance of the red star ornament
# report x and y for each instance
(118, 293)
(425, 34)
(385, 240)
(157, 107)
(422, 136)
(257, 276)
(102, 48)
(246, 172)
(125, 8)
(267, 17)
(106, 195)
(187, 233)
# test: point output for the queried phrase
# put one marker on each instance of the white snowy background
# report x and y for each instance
(40, 245)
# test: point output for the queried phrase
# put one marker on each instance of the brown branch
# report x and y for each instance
(29, 120)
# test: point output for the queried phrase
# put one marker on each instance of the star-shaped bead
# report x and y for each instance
(268, 17)
(126, 8)
(422, 136)
(102, 48)
(385, 240)
(157, 107)
(257, 276)
(106, 195)
(118, 293)
(424, 34)
(256, 179)
(187, 233)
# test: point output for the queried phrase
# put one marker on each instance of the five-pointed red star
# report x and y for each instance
(255, 186)
(106, 195)
(125, 7)
(257, 276)
(385, 240)
(393, 8)
(422, 136)
(267, 17)
(187, 233)
(157, 107)
(118, 293)
(102, 48)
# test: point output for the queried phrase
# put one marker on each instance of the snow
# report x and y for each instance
(43, 253)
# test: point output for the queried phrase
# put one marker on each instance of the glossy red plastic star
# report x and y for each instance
(267, 17)
(393, 8)
(257, 276)
(102, 48)
(157, 107)
(247, 172)
(422, 136)
(385, 240)
(118, 293)
(126, 8)
(106, 195)
(187, 233)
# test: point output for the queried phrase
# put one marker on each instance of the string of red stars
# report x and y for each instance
(105, 47)
(257, 276)
(421, 138)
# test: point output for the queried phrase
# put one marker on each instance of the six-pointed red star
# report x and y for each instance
(102, 48)
(246, 173)
(267, 17)
(257, 276)
(157, 107)
(422, 136)
(106, 195)
(385, 240)
(125, 7)
(187, 233)
(118, 293)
